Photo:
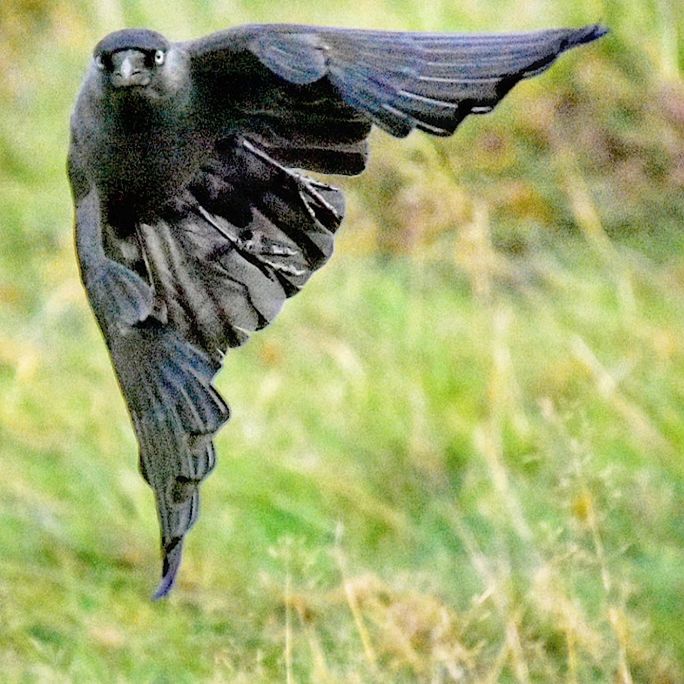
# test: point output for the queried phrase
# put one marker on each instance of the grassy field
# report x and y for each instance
(456, 456)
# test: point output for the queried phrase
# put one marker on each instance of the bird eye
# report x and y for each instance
(99, 62)
(159, 57)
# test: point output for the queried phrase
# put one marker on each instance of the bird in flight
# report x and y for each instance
(193, 221)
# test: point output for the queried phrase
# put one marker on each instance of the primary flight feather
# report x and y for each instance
(192, 226)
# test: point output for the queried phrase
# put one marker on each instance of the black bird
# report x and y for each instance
(192, 226)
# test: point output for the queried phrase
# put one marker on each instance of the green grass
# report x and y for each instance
(455, 456)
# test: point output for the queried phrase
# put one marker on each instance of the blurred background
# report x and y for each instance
(456, 456)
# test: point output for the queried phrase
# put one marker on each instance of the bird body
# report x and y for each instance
(138, 144)
(194, 222)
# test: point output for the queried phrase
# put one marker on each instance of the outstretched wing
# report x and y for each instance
(304, 92)
(249, 231)
(165, 380)
(172, 295)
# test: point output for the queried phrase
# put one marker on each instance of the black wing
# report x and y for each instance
(247, 233)
(172, 295)
(248, 230)
(165, 380)
(304, 93)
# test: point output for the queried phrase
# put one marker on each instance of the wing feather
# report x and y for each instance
(251, 234)
(166, 382)
(399, 81)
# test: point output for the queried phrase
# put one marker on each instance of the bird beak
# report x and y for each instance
(126, 69)
(129, 69)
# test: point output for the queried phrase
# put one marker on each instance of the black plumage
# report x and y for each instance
(192, 228)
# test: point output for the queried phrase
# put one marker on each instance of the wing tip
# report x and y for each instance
(588, 34)
(170, 566)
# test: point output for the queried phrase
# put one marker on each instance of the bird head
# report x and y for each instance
(133, 59)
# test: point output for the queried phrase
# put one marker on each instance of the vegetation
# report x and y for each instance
(456, 456)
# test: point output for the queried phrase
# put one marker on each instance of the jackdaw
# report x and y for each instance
(192, 224)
